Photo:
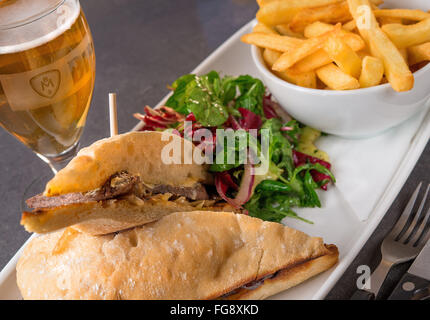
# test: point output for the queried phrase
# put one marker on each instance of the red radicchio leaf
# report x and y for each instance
(272, 109)
(227, 180)
(301, 159)
(171, 114)
(233, 123)
(244, 191)
(191, 117)
(249, 119)
(268, 110)
(160, 118)
(207, 145)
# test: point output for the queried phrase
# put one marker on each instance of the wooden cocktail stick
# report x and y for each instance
(113, 115)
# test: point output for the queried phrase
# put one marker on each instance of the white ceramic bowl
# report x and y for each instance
(353, 113)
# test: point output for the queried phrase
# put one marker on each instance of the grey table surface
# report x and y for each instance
(140, 47)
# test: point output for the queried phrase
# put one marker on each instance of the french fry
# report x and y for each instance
(349, 26)
(363, 53)
(404, 53)
(420, 53)
(264, 2)
(332, 13)
(353, 40)
(307, 79)
(344, 57)
(407, 14)
(318, 28)
(280, 12)
(262, 28)
(396, 69)
(372, 72)
(373, 6)
(363, 16)
(272, 41)
(389, 20)
(395, 66)
(306, 48)
(312, 62)
(404, 36)
(270, 56)
(336, 79)
(321, 57)
(285, 30)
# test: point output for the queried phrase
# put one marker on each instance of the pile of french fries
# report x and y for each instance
(341, 44)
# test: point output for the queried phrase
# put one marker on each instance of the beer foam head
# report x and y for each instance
(24, 25)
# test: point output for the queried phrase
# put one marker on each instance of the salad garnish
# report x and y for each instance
(241, 105)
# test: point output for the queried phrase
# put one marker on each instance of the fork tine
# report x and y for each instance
(401, 223)
(425, 239)
(420, 238)
(417, 222)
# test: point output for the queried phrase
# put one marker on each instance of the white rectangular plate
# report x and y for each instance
(369, 173)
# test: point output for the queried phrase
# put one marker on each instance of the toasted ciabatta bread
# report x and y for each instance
(116, 184)
(193, 255)
(138, 153)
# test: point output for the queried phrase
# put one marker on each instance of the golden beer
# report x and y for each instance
(46, 86)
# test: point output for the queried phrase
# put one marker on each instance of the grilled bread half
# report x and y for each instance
(188, 255)
(121, 182)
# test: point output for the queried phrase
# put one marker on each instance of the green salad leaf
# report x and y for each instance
(234, 156)
(177, 100)
(294, 133)
(273, 207)
(211, 98)
(251, 94)
(230, 155)
(205, 103)
(280, 148)
(274, 199)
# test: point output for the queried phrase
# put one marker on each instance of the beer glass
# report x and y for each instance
(47, 71)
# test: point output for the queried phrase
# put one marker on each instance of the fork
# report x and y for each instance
(402, 244)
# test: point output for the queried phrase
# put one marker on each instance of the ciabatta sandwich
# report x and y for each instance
(191, 255)
(121, 182)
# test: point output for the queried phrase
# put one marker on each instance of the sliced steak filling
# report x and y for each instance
(197, 192)
(119, 184)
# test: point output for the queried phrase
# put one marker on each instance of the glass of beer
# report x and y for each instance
(47, 72)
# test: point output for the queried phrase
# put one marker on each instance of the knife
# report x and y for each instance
(415, 284)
